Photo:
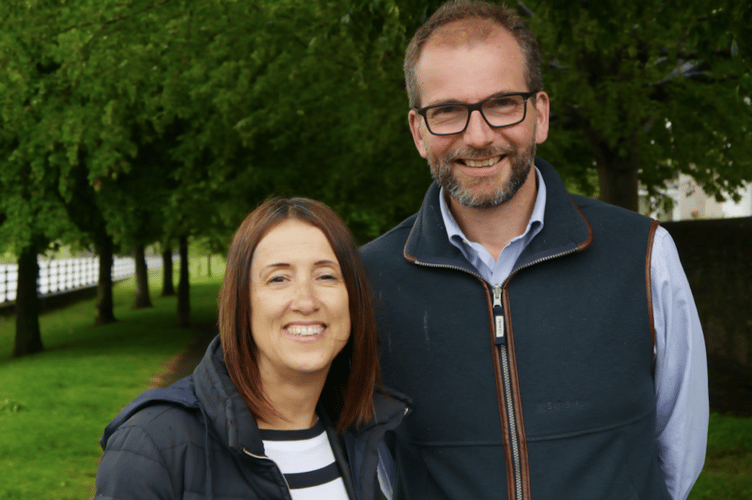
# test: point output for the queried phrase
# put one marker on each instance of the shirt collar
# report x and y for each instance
(534, 225)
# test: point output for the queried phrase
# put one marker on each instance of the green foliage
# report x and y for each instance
(177, 117)
(660, 87)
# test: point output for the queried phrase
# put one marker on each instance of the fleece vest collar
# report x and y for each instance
(566, 229)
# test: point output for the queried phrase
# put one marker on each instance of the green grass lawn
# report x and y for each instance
(54, 405)
(728, 467)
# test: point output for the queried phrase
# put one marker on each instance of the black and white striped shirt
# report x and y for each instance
(305, 458)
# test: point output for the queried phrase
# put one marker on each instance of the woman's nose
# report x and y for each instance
(305, 300)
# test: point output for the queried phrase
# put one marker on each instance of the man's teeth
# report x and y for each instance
(305, 331)
(481, 163)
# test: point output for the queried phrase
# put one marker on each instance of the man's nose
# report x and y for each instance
(478, 133)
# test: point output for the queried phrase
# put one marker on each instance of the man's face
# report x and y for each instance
(482, 166)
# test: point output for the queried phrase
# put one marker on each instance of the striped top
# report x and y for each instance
(306, 460)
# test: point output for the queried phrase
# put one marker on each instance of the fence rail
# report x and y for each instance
(57, 276)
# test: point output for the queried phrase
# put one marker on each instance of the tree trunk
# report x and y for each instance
(28, 334)
(184, 304)
(168, 289)
(617, 177)
(208, 265)
(105, 313)
(141, 299)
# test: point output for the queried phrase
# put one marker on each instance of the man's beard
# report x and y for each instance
(521, 163)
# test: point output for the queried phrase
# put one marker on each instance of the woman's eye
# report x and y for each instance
(277, 279)
(328, 276)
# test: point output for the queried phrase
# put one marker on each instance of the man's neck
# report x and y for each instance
(495, 227)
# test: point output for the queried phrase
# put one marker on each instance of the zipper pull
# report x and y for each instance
(498, 312)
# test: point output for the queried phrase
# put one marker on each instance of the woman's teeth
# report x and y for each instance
(304, 331)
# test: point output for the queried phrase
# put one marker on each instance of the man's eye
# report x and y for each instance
(503, 102)
(447, 110)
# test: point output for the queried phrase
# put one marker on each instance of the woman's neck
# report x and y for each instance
(294, 402)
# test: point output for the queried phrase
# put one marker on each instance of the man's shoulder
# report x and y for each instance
(390, 242)
(596, 210)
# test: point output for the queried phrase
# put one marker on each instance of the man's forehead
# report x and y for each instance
(467, 32)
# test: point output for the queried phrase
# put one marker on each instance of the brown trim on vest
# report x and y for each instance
(589, 240)
(651, 236)
(500, 398)
(515, 382)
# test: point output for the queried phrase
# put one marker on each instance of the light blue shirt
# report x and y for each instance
(681, 375)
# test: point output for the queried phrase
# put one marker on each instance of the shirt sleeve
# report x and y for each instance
(681, 375)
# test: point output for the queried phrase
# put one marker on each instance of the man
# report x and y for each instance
(549, 341)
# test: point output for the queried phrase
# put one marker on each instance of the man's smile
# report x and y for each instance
(481, 163)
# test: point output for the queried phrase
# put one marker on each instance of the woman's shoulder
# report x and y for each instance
(160, 426)
(142, 455)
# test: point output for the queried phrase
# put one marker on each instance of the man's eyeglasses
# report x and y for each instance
(498, 111)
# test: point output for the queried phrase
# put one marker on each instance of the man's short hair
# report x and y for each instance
(482, 17)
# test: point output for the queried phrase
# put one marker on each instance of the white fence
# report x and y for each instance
(66, 275)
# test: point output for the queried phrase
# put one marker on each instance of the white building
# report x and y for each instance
(691, 202)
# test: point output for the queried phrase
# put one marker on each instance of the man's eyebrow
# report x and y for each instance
(457, 101)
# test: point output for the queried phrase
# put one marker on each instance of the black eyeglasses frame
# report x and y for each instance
(478, 106)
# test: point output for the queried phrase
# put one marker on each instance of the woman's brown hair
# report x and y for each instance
(348, 391)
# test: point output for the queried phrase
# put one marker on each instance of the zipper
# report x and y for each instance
(267, 459)
(506, 372)
(498, 312)
(500, 336)
(506, 378)
(500, 339)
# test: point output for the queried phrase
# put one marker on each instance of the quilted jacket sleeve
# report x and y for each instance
(132, 467)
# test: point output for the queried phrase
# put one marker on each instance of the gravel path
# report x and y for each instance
(186, 360)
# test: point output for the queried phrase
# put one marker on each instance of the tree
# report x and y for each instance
(83, 202)
(141, 298)
(184, 298)
(641, 90)
(117, 169)
(168, 287)
(32, 116)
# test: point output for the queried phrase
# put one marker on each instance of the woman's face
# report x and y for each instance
(300, 315)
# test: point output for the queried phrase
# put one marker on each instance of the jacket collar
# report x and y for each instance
(225, 410)
(565, 229)
(211, 391)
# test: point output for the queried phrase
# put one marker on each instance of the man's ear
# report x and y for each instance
(413, 119)
(542, 109)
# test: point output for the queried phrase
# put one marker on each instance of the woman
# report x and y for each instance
(283, 403)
